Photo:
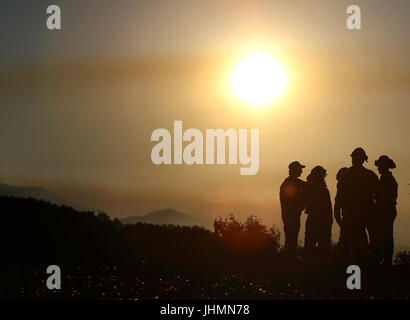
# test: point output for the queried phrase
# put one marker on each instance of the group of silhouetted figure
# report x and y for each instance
(364, 209)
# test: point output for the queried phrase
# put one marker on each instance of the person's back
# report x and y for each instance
(386, 210)
(319, 211)
(388, 191)
(318, 202)
(343, 248)
(292, 203)
(358, 188)
(292, 194)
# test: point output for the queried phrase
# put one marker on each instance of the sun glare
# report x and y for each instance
(258, 79)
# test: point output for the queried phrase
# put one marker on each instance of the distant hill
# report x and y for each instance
(165, 216)
(38, 193)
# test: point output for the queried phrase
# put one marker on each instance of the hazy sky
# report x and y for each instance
(78, 106)
(125, 28)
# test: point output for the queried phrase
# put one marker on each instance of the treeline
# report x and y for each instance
(40, 233)
(98, 254)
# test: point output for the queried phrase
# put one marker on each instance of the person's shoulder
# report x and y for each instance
(326, 192)
(369, 171)
(301, 182)
(347, 174)
(371, 174)
(390, 178)
(394, 180)
(285, 182)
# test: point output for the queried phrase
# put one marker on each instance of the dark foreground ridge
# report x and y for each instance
(101, 258)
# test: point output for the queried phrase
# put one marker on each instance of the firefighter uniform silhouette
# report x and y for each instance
(292, 204)
(319, 210)
(358, 190)
(386, 208)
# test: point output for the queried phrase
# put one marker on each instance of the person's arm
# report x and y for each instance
(395, 190)
(376, 188)
(337, 212)
(304, 196)
(391, 190)
(329, 204)
(282, 201)
(281, 193)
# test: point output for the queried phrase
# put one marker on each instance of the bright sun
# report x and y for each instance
(258, 79)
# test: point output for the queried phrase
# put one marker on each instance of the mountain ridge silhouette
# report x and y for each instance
(165, 216)
(36, 192)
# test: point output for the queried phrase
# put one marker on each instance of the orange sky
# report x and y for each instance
(77, 116)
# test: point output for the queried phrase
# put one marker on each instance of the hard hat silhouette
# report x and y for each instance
(359, 152)
(385, 162)
(295, 165)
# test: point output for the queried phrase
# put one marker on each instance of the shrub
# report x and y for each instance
(251, 236)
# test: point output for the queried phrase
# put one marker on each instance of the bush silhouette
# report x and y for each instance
(250, 236)
(402, 258)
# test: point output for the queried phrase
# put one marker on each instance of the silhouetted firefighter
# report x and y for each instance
(292, 204)
(357, 193)
(386, 209)
(319, 209)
